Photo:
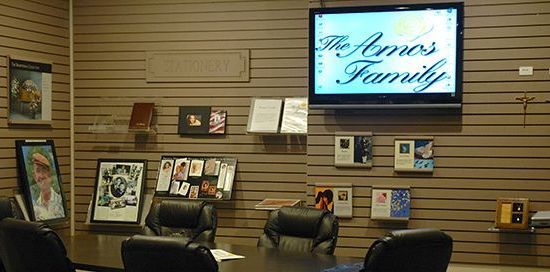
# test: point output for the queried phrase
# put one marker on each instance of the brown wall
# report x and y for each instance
(111, 38)
(35, 30)
(480, 156)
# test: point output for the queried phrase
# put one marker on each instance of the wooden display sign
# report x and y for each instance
(512, 213)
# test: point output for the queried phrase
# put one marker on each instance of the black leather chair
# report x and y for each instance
(414, 250)
(153, 253)
(187, 218)
(32, 246)
(8, 208)
(301, 229)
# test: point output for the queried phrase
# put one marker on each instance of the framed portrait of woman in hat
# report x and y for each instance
(40, 180)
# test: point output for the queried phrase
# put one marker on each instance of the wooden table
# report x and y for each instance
(99, 252)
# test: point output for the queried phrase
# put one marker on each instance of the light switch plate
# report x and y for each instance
(526, 70)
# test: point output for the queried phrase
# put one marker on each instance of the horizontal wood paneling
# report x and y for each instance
(482, 154)
(36, 30)
(111, 39)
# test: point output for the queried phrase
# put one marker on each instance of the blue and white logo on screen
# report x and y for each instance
(390, 52)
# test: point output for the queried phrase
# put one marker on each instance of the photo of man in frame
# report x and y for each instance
(43, 182)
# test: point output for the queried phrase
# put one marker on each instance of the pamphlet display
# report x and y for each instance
(512, 213)
(294, 115)
(196, 177)
(391, 203)
(335, 198)
(29, 92)
(414, 154)
(353, 149)
(264, 115)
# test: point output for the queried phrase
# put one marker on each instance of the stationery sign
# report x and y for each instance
(198, 66)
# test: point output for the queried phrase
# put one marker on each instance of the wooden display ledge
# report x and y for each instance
(495, 229)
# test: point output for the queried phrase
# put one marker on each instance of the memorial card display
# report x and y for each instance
(196, 177)
(335, 198)
(512, 213)
(118, 194)
(391, 203)
(194, 120)
(41, 180)
(264, 115)
(142, 116)
(294, 115)
(30, 92)
(414, 154)
(217, 122)
(353, 149)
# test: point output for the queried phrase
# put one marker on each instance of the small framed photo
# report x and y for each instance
(194, 120)
(30, 92)
(196, 168)
(512, 213)
(217, 122)
(335, 198)
(118, 191)
(41, 180)
(353, 149)
(414, 154)
(391, 203)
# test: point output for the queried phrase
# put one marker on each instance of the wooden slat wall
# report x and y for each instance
(36, 30)
(482, 155)
(111, 38)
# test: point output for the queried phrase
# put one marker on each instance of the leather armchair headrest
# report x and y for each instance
(412, 237)
(177, 214)
(301, 221)
(5, 208)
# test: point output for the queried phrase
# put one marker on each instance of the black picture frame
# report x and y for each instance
(119, 184)
(194, 120)
(37, 160)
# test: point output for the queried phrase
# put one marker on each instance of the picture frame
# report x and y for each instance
(29, 91)
(217, 122)
(414, 154)
(353, 149)
(119, 191)
(40, 179)
(194, 120)
(390, 203)
(336, 198)
(196, 177)
(512, 213)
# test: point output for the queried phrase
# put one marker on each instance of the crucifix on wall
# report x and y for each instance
(525, 100)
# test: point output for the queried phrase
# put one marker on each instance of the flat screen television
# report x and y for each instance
(401, 56)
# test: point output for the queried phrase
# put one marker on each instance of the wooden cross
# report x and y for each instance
(525, 100)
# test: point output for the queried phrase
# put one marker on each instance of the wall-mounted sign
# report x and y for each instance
(198, 66)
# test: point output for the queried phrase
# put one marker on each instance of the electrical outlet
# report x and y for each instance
(526, 70)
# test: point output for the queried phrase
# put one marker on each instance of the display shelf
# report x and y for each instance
(528, 230)
(270, 204)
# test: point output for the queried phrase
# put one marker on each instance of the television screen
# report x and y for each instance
(386, 55)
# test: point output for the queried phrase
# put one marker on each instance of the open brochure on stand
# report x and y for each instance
(222, 255)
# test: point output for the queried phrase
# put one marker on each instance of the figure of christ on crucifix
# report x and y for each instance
(525, 100)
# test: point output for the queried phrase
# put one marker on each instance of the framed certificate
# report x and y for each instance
(353, 149)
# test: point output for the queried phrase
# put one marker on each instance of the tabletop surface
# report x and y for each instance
(101, 252)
